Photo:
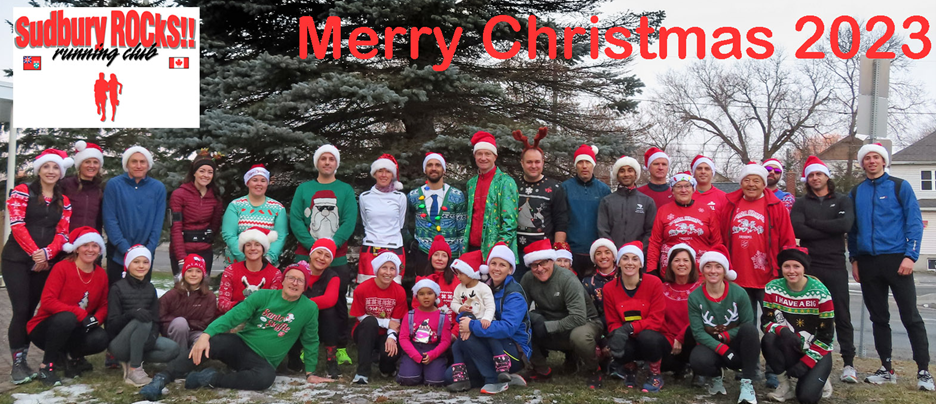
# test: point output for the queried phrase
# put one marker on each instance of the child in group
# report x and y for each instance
(424, 337)
(189, 307)
(564, 256)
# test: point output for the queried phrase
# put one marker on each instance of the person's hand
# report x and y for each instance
(313, 379)
(798, 370)
(464, 325)
(89, 322)
(485, 324)
(201, 346)
(391, 347)
(906, 267)
(39, 256)
(855, 271)
(464, 308)
(464, 335)
(627, 328)
(142, 315)
(677, 347)
(41, 266)
(425, 359)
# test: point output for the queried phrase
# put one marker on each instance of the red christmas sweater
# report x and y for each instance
(715, 199)
(677, 310)
(16, 208)
(67, 290)
(645, 311)
(693, 224)
(237, 277)
(371, 300)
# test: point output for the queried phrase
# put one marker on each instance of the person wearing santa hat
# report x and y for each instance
(133, 210)
(438, 209)
(883, 245)
(584, 192)
(195, 213)
(627, 214)
(606, 270)
(383, 213)
(706, 194)
(187, 309)
(492, 201)
(255, 209)
(326, 207)
(564, 256)
(820, 221)
(255, 272)
(39, 215)
(379, 306)
(722, 323)
(543, 206)
(565, 318)
(439, 270)
(85, 189)
(657, 164)
(774, 174)
(683, 221)
(67, 326)
(679, 281)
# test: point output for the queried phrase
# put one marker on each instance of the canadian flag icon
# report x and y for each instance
(178, 63)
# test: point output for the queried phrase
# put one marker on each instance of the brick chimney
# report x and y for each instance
(791, 178)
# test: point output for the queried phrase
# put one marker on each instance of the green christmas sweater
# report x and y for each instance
(323, 210)
(272, 325)
(500, 213)
(808, 313)
(715, 322)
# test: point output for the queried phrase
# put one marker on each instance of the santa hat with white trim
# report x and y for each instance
(324, 243)
(873, 148)
(538, 251)
(258, 234)
(135, 252)
(625, 161)
(427, 283)
(563, 250)
(85, 150)
(753, 168)
(256, 169)
(389, 163)
(434, 156)
(133, 150)
(587, 153)
(680, 246)
(774, 162)
(814, 164)
(81, 236)
(482, 140)
(56, 156)
(326, 148)
(634, 247)
(652, 154)
(601, 242)
(700, 159)
(719, 254)
(502, 251)
(469, 264)
(683, 176)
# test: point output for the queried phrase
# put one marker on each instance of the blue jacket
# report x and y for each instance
(133, 213)
(510, 317)
(884, 224)
(584, 198)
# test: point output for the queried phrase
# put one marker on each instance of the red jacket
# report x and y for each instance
(696, 225)
(66, 290)
(195, 307)
(198, 213)
(645, 311)
(779, 231)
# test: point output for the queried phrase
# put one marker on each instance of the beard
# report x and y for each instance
(772, 182)
(434, 177)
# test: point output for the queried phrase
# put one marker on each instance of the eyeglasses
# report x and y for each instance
(539, 264)
(294, 279)
(773, 169)
(682, 186)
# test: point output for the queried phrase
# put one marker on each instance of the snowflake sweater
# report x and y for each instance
(807, 313)
(593, 287)
(236, 278)
(714, 322)
(692, 224)
(677, 310)
(240, 215)
(66, 290)
(543, 210)
(26, 232)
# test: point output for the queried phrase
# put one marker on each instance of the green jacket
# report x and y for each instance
(562, 300)
(500, 213)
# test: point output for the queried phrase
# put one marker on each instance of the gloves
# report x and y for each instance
(627, 329)
(89, 322)
(786, 332)
(142, 315)
(729, 354)
(538, 326)
(798, 370)
(617, 342)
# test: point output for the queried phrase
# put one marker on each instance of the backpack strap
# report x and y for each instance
(442, 317)
(409, 320)
(898, 182)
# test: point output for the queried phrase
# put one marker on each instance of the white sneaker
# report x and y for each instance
(849, 375)
(925, 381)
(717, 386)
(358, 379)
(137, 377)
(882, 376)
(827, 389)
(747, 392)
(783, 391)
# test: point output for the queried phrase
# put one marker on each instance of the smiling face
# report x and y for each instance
(630, 265)
(817, 181)
(542, 270)
(204, 175)
(564, 263)
(49, 173)
(713, 272)
(604, 259)
(439, 260)
(681, 264)
(753, 187)
(320, 259)
(682, 192)
(584, 169)
(434, 170)
(257, 186)
(498, 270)
(659, 170)
(293, 284)
(89, 252)
(385, 274)
(89, 168)
(383, 177)
(327, 164)
(137, 165)
(485, 160)
(627, 176)
(794, 273)
(773, 175)
(873, 165)
(703, 174)
(532, 162)
(426, 298)
(139, 267)
(193, 277)
(253, 250)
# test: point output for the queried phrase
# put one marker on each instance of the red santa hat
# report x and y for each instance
(634, 247)
(774, 162)
(427, 283)
(81, 236)
(601, 242)
(700, 159)
(85, 150)
(587, 153)
(433, 156)
(326, 148)
(502, 251)
(133, 150)
(680, 246)
(652, 154)
(563, 250)
(625, 161)
(383, 258)
(719, 254)
(753, 168)
(483, 141)
(389, 163)
(469, 264)
(538, 251)
(56, 156)
(326, 244)
(258, 234)
(257, 169)
(135, 252)
(195, 261)
(814, 164)
(301, 266)
(873, 148)
(439, 244)
(683, 176)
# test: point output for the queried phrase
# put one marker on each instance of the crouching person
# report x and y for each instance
(379, 306)
(187, 309)
(275, 320)
(425, 337)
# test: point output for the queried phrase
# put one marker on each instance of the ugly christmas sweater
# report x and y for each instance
(543, 210)
(499, 222)
(237, 278)
(808, 313)
(240, 215)
(450, 221)
(645, 310)
(715, 322)
(323, 210)
(676, 223)
(593, 287)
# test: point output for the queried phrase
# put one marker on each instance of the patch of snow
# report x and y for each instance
(56, 395)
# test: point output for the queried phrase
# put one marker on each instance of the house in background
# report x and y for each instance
(917, 165)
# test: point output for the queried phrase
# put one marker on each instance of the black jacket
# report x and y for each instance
(127, 295)
(821, 225)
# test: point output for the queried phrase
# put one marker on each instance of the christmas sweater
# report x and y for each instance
(371, 300)
(272, 325)
(240, 215)
(715, 199)
(500, 213)
(383, 215)
(808, 314)
(17, 204)
(423, 328)
(323, 210)
(714, 322)
(450, 221)
(543, 211)
(675, 223)
(786, 198)
(755, 232)
(677, 310)
(660, 193)
(594, 285)
(645, 310)
(237, 278)
(68, 290)
(479, 299)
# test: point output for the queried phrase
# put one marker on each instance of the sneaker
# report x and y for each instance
(594, 381)
(110, 362)
(699, 381)
(538, 376)
(654, 384)
(827, 389)
(137, 377)
(460, 382)
(332, 370)
(849, 375)
(717, 386)
(925, 380)
(358, 379)
(494, 388)
(783, 391)
(517, 380)
(47, 375)
(75, 367)
(153, 390)
(882, 376)
(202, 378)
(21, 372)
(747, 392)
(342, 355)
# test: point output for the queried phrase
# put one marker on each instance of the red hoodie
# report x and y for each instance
(645, 311)
(754, 233)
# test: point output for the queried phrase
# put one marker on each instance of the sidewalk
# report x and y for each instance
(6, 359)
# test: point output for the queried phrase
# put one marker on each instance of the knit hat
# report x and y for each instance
(540, 135)
(601, 242)
(652, 154)
(502, 251)
(137, 149)
(563, 250)
(427, 283)
(775, 163)
(625, 161)
(469, 264)
(587, 153)
(326, 244)
(258, 234)
(326, 148)
(85, 150)
(256, 169)
(873, 148)
(389, 163)
(483, 141)
(133, 253)
(433, 156)
(538, 251)
(683, 176)
(634, 247)
(700, 159)
(755, 169)
(383, 258)
(798, 254)
(195, 260)
(81, 236)
(813, 164)
(56, 156)
(680, 246)
(301, 266)
(719, 254)
(439, 244)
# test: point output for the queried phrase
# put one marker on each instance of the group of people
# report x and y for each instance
(670, 274)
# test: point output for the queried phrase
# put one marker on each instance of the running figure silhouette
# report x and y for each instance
(100, 96)
(115, 88)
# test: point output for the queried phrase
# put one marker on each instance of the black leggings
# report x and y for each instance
(25, 289)
(746, 346)
(676, 363)
(327, 331)
(649, 346)
(248, 370)
(61, 333)
(783, 352)
(368, 338)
